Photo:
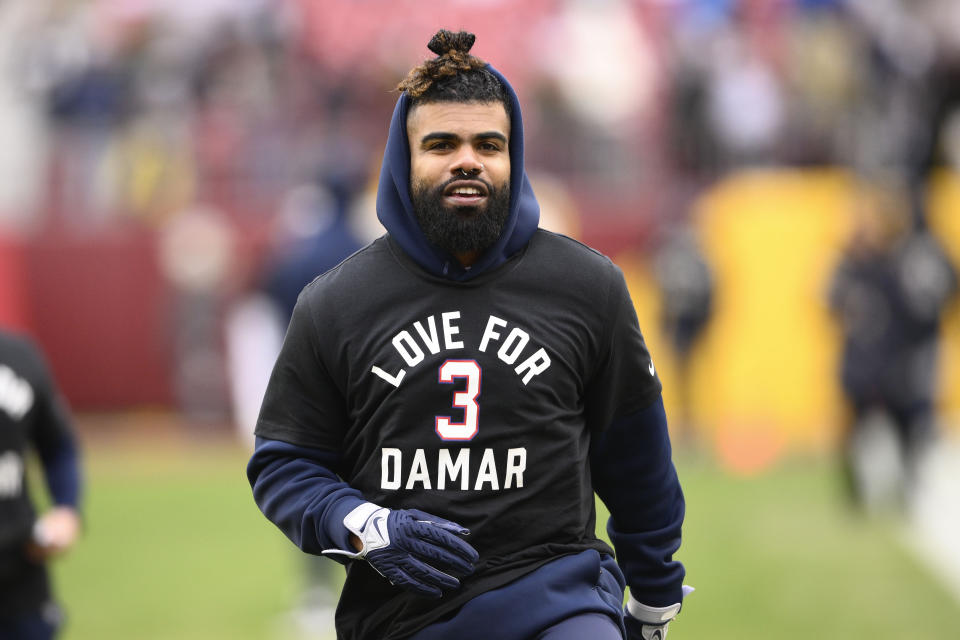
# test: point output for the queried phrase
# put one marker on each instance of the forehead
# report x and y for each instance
(464, 119)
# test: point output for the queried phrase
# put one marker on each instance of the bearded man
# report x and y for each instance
(449, 400)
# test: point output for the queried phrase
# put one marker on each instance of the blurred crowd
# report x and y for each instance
(123, 109)
(244, 135)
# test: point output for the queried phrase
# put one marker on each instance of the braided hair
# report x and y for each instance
(454, 75)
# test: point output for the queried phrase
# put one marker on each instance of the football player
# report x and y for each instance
(449, 399)
(33, 416)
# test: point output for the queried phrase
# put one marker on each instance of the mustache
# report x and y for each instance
(443, 187)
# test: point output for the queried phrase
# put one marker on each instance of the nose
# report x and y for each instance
(475, 171)
(466, 163)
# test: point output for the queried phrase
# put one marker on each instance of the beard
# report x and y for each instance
(464, 229)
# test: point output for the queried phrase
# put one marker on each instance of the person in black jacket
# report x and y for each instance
(32, 416)
(449, 399)
(888, 293)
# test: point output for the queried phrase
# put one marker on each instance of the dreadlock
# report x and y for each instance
(454, 75)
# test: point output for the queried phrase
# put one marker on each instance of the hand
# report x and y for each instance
(412, 549)
(644, 622)
(54, 533)
(637, 630)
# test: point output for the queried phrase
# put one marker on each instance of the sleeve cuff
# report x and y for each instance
(335, 521)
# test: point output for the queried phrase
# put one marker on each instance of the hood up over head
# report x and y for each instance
(395, 208)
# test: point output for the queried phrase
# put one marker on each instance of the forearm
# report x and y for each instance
(297, 489)
(61, 470)
(634, 476)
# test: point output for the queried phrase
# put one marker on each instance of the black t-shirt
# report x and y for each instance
(474, 401)
(31, 416)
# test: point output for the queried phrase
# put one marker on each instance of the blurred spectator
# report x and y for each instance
(686, 293)
(691, 140)
(744, 101)
(888, 293)
(33, 418)
(318, 237)
(311, 235)
(85, 82)
(825, 74)
(558, 211)
(197, 255)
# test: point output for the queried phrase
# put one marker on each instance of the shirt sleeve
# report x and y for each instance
(54, 440)
(294, 469)
(631, 464)
(297, 489)
(303, 404)
(624, 379)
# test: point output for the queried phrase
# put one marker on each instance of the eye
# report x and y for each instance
(440, 145)
(489, 146)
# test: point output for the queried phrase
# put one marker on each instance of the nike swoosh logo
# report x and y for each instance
(376, 525)
(651, 369)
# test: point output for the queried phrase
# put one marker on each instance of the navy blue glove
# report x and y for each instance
(412, 549)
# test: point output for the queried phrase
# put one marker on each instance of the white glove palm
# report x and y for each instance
(650, 623)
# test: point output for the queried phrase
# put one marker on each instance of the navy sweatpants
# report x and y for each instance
(36, 625)
(572, 597)
(595, 626)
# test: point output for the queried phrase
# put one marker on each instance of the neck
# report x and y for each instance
(466, 259)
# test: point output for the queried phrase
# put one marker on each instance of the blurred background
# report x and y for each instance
(778, 179)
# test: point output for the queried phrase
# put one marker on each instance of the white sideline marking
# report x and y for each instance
(933, 529)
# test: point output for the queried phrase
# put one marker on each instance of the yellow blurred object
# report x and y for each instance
(944, 220)
(773, 239)
(766, 370)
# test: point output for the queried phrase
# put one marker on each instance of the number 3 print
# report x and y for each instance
(466, 400)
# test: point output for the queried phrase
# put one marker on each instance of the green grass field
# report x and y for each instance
(176, 549)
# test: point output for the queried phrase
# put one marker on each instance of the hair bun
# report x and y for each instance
(453, 58)
(443, 42)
